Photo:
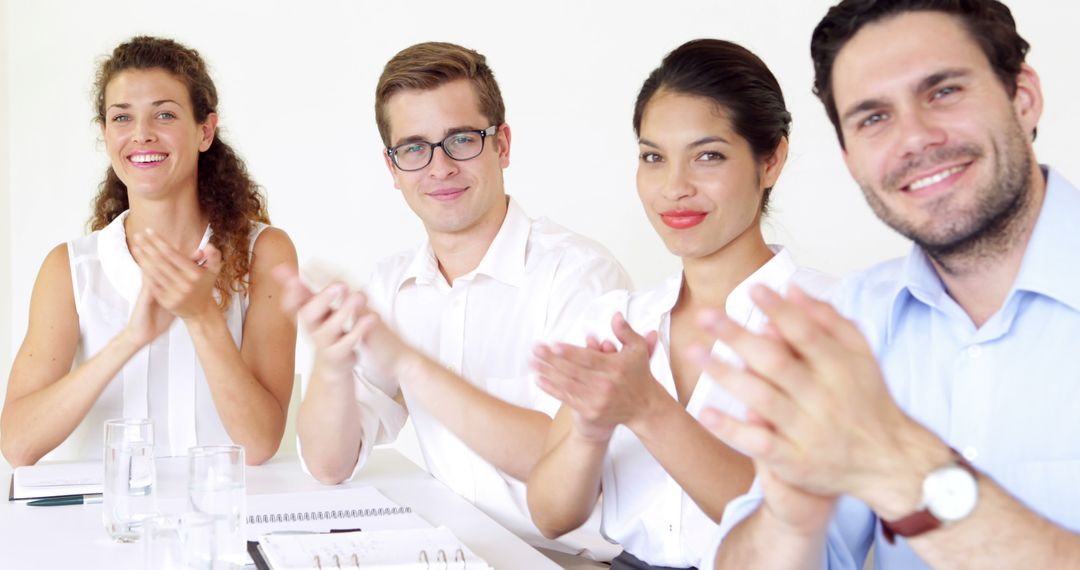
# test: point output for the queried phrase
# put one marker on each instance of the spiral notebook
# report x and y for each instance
(414, 549)
(353, 508)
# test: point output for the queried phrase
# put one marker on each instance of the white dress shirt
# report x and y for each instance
(1005, 395)
(531, 285)
(164, 381)
(644, 508)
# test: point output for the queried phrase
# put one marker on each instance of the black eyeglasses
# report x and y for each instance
(462, 145)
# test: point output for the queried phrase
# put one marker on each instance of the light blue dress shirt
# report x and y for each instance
(1005, 395)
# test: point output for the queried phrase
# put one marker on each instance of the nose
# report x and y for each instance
(142, 131)
(678, 184)
(442, 166)
(919, 132)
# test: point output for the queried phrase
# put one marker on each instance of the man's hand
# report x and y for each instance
(825, 421)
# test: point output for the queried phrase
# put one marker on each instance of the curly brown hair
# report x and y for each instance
(227, 194)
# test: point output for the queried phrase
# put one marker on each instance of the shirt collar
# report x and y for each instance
(1046, 269)
(116, 260)
(775, 274)
(1054, 239)
(504, 259)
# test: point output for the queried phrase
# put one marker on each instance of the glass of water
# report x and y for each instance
(216, 488)
(178, 542)
(129, 493)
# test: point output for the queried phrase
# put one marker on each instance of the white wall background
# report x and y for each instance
(297, 81)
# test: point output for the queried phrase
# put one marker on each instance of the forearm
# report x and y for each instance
(329, 425)
(509, 437)
(36, 423)
(762, 541)
(708, 470)
(1021, 538)
(565, 484)
(250, 413)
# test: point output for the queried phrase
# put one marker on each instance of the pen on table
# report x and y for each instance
(72, 500)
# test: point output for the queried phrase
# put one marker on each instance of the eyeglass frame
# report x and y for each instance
(391, 152)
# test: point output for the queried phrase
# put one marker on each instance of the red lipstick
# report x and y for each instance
(682, 219)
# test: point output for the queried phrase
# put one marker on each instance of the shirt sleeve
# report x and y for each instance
(848, 538)
(576, 289)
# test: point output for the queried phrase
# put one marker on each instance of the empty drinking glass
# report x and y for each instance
(216, 488)
(178, 542)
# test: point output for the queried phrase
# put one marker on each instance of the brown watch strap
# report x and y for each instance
(922, 520)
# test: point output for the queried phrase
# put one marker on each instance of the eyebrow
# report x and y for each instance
(446, 133)
(157, 103)
(699, 142)
(926, 83)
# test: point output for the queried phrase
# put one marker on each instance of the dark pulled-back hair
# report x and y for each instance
(227, 194)
(733, 78)
(989, 22)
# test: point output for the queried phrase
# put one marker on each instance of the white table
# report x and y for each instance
(74, 537)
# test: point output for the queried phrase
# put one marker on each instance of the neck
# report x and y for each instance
(459, 253)
(708, 281)
(980, 277)
(176, 218)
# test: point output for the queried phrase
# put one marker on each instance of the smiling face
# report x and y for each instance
(940, 150)
(449, 196)
(698, 180)
(151, 134)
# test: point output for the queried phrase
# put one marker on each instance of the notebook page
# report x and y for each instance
(58, 479)
(364, 508)
(418, 549)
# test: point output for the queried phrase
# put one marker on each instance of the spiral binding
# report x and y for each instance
(326, 515)
(441, 561)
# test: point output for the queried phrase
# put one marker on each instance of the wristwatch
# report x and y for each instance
(949, 493)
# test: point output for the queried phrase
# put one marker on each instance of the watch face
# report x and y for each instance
(950, 493)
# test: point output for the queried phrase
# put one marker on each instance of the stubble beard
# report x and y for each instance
(960, 237)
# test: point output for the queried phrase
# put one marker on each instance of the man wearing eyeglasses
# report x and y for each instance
(486, 287)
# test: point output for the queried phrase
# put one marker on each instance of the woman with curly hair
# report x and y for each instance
(167, 309)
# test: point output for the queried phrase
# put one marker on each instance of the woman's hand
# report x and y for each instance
(148, 320)
(603, 387)
(182, 285)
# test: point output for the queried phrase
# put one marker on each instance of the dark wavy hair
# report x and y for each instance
(989, 22)
(227, 194)
(736, 80)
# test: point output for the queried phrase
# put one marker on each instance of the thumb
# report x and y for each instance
(626, 334)
(651, 338)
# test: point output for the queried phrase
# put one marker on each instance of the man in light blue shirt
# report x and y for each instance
(948, 436)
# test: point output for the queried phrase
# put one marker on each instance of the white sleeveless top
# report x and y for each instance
(163, 381)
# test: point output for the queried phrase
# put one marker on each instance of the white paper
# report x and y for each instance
(58, 479)
(322, 511)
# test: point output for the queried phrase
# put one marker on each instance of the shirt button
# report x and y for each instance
(970, 453)
(974, 351)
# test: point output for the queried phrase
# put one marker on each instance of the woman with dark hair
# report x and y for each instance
(167, 309)
(713, 137)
